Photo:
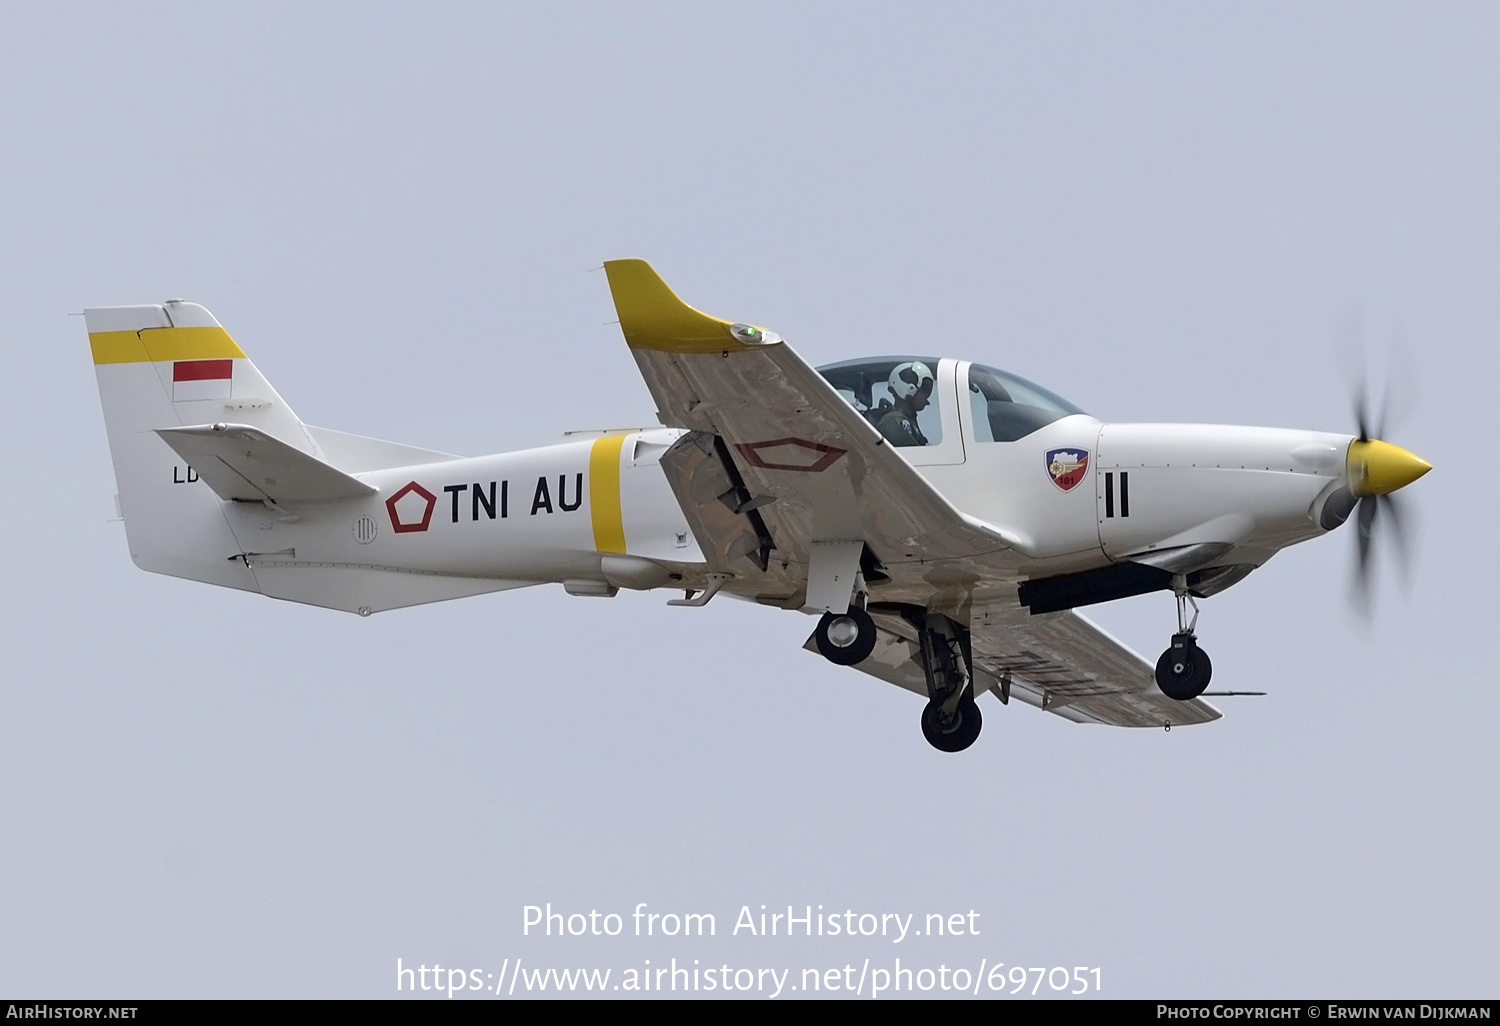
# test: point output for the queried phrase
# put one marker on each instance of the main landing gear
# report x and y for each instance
(951, 721)
(1184, 669)
(846, 638)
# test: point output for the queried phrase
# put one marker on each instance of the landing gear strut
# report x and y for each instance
(951, 721)
(1184, 669)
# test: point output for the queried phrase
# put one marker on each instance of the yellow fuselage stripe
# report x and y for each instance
(604, 494)
(156, 345)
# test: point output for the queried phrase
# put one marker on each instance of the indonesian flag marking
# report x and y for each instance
(201, 379)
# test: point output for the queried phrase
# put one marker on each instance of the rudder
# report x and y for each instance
(168, 366)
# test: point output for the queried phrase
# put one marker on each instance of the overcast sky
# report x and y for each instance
(1161, 212)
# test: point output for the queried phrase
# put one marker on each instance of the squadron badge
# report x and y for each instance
(1067, 466)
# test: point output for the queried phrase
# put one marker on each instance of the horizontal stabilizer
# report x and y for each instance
(356, 454)
(240, 462)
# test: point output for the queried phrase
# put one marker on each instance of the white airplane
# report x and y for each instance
(942, 518)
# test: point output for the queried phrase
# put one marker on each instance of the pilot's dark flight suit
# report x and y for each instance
(899, 427)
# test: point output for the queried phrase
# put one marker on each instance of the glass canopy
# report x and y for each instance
(894, 393)
(1007, 407)
(900, 396)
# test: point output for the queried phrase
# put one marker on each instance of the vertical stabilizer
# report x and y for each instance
(168, 366)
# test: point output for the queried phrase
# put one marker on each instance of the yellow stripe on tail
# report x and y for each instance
(157, 345)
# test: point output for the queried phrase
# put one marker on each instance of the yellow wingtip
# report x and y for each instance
(653, 317)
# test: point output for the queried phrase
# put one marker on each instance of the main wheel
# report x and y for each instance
(1183, 671)
(846, 638)
(959, 733)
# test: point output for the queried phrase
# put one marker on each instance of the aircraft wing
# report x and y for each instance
(775, 461)
(1059, 662)
(791, 462)
(242, 462)
(1066, 664)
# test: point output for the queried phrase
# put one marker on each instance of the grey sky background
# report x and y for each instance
(1162, 212)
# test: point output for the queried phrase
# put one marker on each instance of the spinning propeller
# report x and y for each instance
(1374, 470)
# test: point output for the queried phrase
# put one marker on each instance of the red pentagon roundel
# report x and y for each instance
(411, 522)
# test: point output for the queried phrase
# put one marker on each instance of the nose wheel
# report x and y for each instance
(1184, 669)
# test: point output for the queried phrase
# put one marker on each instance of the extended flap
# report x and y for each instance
(242, 462)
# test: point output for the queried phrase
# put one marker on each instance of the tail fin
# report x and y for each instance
(173, 366)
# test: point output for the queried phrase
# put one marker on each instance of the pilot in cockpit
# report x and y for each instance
(911, 390)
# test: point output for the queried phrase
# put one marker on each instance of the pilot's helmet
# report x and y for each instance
(908, 379)
(853, 400)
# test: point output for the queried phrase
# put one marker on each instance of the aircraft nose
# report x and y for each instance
(1378, 468)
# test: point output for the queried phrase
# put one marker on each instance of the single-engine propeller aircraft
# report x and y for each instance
(944, 519)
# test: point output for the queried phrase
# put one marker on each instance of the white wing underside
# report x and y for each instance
(1060, 662)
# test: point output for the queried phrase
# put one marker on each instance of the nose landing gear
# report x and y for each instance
(1184, 669)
